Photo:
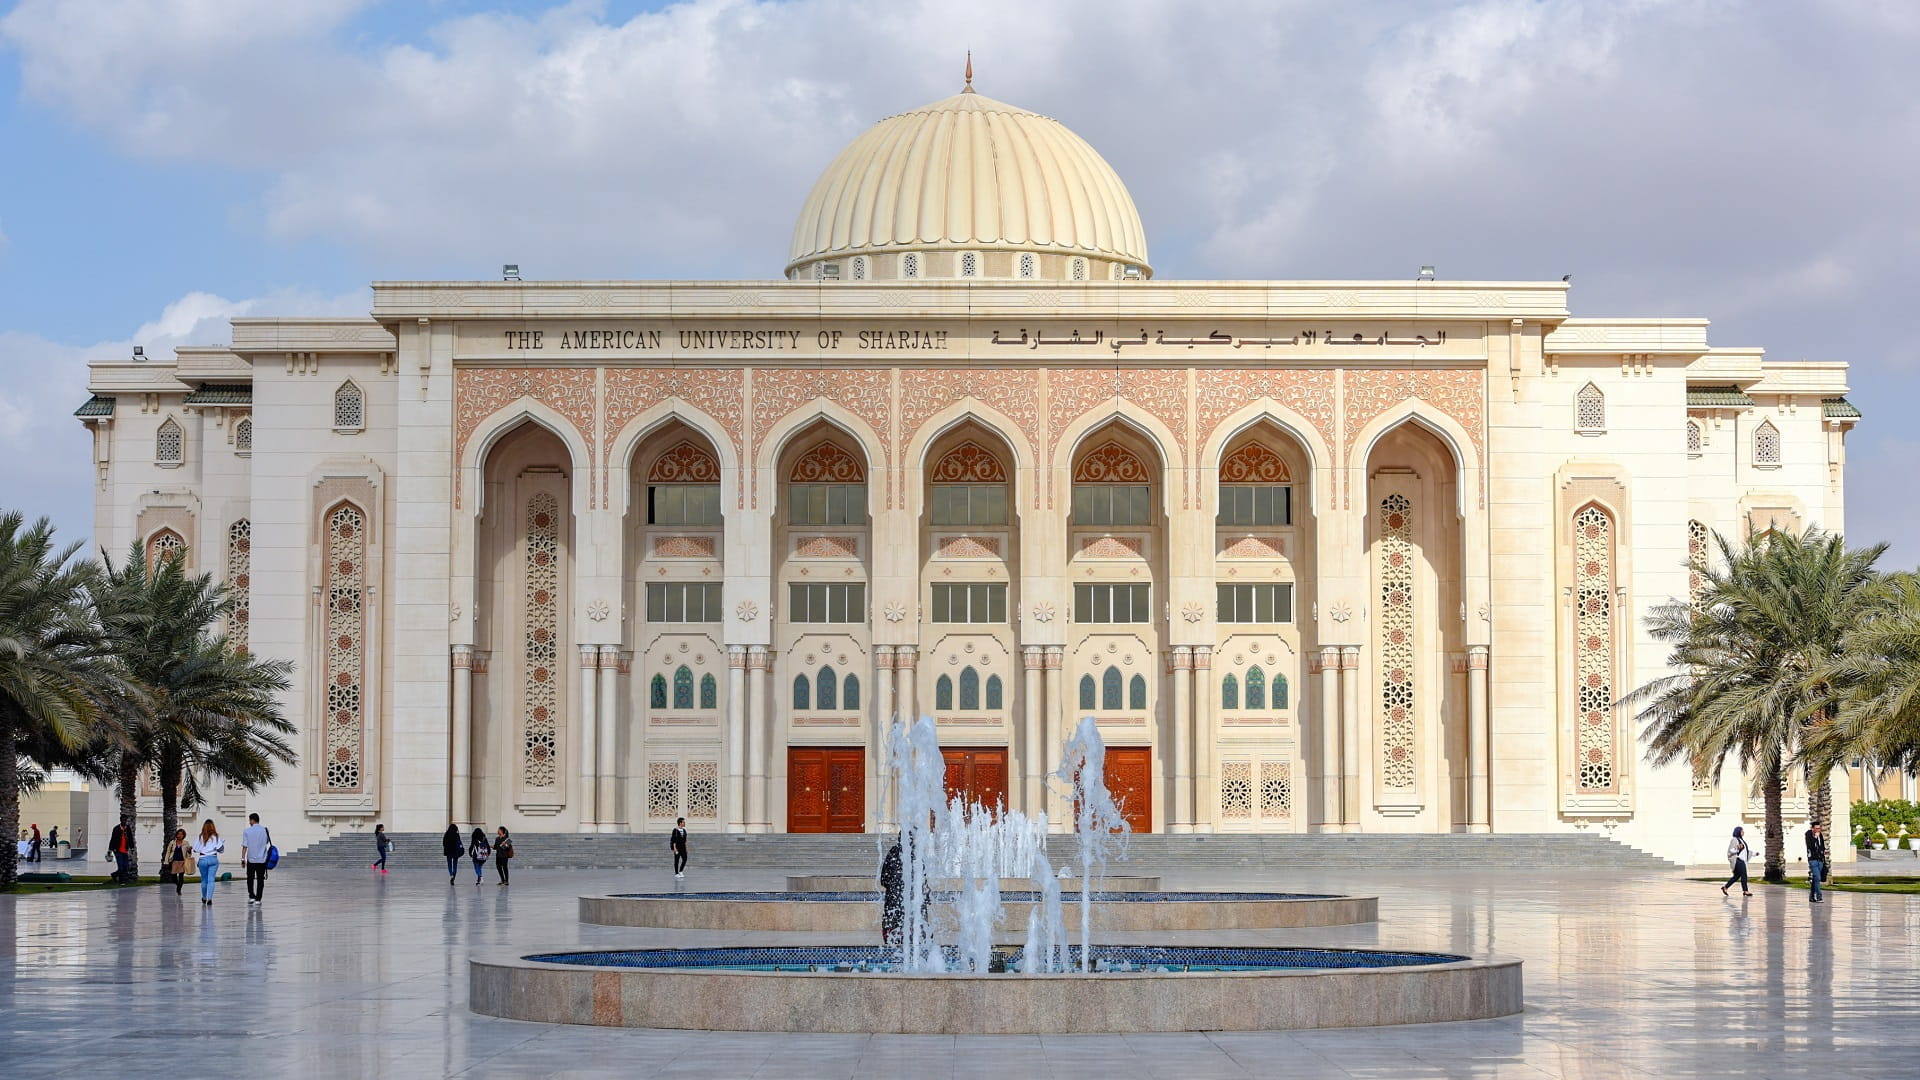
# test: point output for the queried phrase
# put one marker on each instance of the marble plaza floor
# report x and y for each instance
(349, 974)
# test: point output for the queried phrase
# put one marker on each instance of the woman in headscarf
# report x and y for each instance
(1737, 852)
(452, 847)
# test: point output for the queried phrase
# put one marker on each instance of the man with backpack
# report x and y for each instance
(256, 847)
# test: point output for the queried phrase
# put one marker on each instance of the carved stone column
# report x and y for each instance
(608, 770)
(1350, 737)
(759, 736)
(1479, 741)
(1332, 809)
(588, 727)
(1032, 730)
(905, 660)
(1053, 724)
(878, 778)
(1206, 772)
(736, 808)
(460, 798)
(1179, 808)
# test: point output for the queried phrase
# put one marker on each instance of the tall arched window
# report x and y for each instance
(165, 544)
(239, 580)
(1693, 437)
(850, 691)
(709, 692)
(1229, 692)
(683, 687)
(1590, 409)
(349, 408)
(802, 693)
(1112, 486)
(1766, 444)
(943, 693)
(243, 436)
(1696, 560)
(1089, 694)
(826, 690)
(1279, 691)
(657, 692)
(169, 443)
(1256, 688)
(683, 486)
(995, 700)
(827, 486)
(345, 659)
(1137, 692)
(1112, 687)
(969, 689)
(1594, 647)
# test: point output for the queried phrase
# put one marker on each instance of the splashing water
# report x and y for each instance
(979, 845)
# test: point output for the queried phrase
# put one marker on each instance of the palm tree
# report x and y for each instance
(1746, 661)
(1878, 718)
(208, 708)
(52, 671)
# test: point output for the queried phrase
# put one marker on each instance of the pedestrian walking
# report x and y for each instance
(677, 843)
(1737, 852)
(174, 859)
(502, 853)
(33, 844)
(207, 850)
(452, 848)
(255, 842)
(53, 840)
(118, 849)
(478, 850)
(381, 845)
(1816, 862)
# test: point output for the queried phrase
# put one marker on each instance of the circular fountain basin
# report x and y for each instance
(859, 912)
(866, 883)
(1171, 988)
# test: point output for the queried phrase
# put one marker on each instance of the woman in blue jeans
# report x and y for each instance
(207, 850)
(453, 848)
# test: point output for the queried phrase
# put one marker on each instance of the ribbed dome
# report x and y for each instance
(969, 172)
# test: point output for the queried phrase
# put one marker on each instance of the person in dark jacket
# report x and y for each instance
(478, 850)
(382, 846)
(1816, 862)
(118, 843)
(452, 847)
(33, 845)
(893, 897)
(677, 843)
(502, 853)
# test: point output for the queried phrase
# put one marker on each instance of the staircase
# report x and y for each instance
(835, 853)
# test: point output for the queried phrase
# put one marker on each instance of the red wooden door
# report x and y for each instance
(826, 789)
(1130, 782)
(977, 774)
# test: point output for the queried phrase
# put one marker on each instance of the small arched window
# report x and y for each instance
(826, 690)
(859, 268)
(910, 265)
(1693, 437)
(1590, 410)
(1766, 444)
(1112, 685)
(943, 693)
(1137, 692)
(1229, 692)
(850, 692)
(243, 436)
(1279, 691)
(1256, 688)
(1089, 694)
(683, 687)
(169, 443)
(1026, 265)
(709, 692)
(969, 690)
(802, 693)
(657, 692)
(995, 697)
(349, 408)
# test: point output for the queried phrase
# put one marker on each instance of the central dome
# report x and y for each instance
(969, 187)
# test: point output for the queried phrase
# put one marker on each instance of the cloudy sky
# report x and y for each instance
(168, 164)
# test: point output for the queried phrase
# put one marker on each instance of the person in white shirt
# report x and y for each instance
(254, 842)
(207, 851)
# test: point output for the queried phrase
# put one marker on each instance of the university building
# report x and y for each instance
(1338, 556)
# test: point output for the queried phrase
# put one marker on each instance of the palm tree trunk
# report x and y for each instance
(169, 794)
(1820, 806)
(1776, 833)
(9, 807)
(129, 813)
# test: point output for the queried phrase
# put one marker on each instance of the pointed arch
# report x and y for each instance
(709, 692)
(1119, 417)
(943, 694)
(1445, 429)
(1256, 688)
(826, 462)
(1279, 690)
(1112, 690)
(490, 433)
(169, 443)
(826, 689)
(969, 689)
(1089, 694)
(1111, 463)
(1254, 463)
(850, 692)
(996, 695)
(683, 687)
(164, 544)
(1590, 410)
(802, 693)
(1695, 440)
(1137, 692)
(243, 436)
(685, 462)
(968, 463)
(657, 691)
(349, 407)
(1230, 692)
(1766, 444)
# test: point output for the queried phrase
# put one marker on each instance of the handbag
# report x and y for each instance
(273, 853)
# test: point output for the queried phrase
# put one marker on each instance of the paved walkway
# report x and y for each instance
(347, 974)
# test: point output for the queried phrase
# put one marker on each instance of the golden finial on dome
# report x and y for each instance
(968, 89)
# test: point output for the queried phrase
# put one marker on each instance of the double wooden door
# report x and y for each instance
(978, 774)
(826, 789)
(1130, 782)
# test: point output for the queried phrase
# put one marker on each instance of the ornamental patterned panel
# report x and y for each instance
(165, 544)
(1014, 393)
(480, 392)
(1254, 464)
(685, 462)
(827, 463)
(663, 789)
(1396, 642)
(969, 547)
(825, 547)
(1220, 394)
(779, 392)
(539, 688)
(168, 444)
(1590, 409)
(968, 463)
(1766, 444)
(239, 581)
(718, 392)
(1457, 392)
(1696, 560)
(1276, 790)
(1594, 644)
(1111, 463)
(1111, 547)
(1255, 547)
(703, 789)
(345, 663)
(1236, 790)
(684, 547)
(1160, 392)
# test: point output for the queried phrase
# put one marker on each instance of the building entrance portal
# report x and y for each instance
(826, 789)
(977, 775)
(1130, 782)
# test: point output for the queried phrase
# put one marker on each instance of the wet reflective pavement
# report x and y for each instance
(349, 974)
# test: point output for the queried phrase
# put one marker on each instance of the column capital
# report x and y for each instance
(883, 657)
(1180, 658)
(1202, 657)
(906, 657)
(1349, 657)
(1477, 656)
(736, 656)
(1056, 655)
(463, 657)
(589, 657)
(1033, 657)
(759, 658)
